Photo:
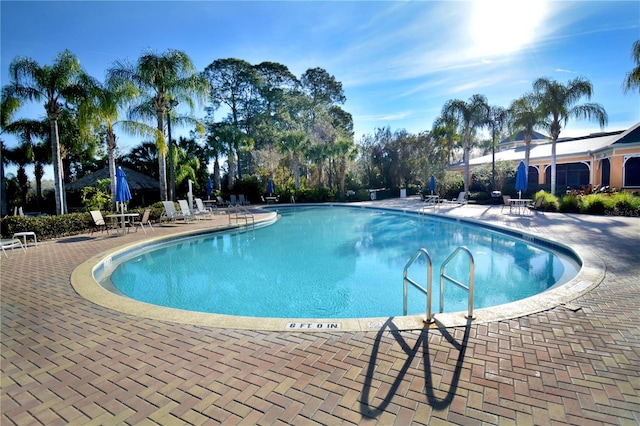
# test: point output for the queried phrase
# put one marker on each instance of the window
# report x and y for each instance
(632, 172)
(570, 175)
(605, 172)
(532, 181)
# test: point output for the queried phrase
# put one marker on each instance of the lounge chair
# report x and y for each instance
(506, 201)
(460, 200)
(233, 200)
(144, 221)
(99, 222)
(242, 201)
(170, 212)
(185, 211)
(11, 243)
(201, 210)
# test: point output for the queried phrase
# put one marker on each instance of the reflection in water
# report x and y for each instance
(334, 263)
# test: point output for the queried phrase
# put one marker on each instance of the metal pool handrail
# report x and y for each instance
(406, 280)
(241, 212)
(469, 287)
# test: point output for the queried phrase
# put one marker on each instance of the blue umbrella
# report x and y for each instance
(122, 188)
(270, 189)
(209, 187)
(432, 184)
(521, 179)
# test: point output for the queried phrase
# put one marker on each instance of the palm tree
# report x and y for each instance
(557, 103)
(524, 116)
(143, 158)
(444, 131)
(469, 116)
(294, 145)
(632, 80)
(345, 151)
(186, 167)
(8, 106)
(41, 156)
(160, 79)
(27, 132)
(217, 137)
(21, 156)
(497, 118)
(101, 114)
(62, 81)
(318, 154)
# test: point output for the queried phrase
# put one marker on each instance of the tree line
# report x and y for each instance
(266, 122)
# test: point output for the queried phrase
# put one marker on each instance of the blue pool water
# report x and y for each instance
(336, 262)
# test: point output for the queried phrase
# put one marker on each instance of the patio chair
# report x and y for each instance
(462, 199)
(11, 243)
(234, 201)
(243, 201)
(144, 221)
(170, 212)
(220, 202)
(99, 222)
(201, 210)
(537, 205)
(185, 211)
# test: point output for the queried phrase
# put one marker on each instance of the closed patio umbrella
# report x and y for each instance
(122, 191)
(270, 188)
(209, 188)
(521, 179)
(432, 184)
(122, 188)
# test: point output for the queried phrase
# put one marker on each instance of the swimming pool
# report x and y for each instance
(334, 262)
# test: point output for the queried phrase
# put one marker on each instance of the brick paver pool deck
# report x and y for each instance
(65, 360)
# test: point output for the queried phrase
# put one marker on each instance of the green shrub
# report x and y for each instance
(569, 204)
(156, 211)
(97, 197)
(550, 202)
(480, 197)
(47, 227)
(626, 201)
(313, 195)
(594, 203)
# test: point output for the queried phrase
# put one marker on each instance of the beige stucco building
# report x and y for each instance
(604, 159)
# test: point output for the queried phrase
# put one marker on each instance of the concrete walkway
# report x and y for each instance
(65, 360)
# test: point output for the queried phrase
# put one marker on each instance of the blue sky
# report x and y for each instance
(399, 62)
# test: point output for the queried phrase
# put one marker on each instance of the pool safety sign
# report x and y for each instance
(313, 325)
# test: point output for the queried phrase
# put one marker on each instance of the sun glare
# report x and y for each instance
(504, 26)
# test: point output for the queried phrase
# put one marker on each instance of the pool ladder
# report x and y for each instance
(239, 212)
(443, 277)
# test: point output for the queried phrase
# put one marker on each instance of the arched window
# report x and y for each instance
(605, 172)
(570, 175)
(631, 172)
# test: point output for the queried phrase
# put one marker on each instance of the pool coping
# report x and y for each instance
(590, 275)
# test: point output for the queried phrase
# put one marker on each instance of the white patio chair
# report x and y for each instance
(185, 211)
(170, 212)
(462, 199)
(11, 243)
(201, 210)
